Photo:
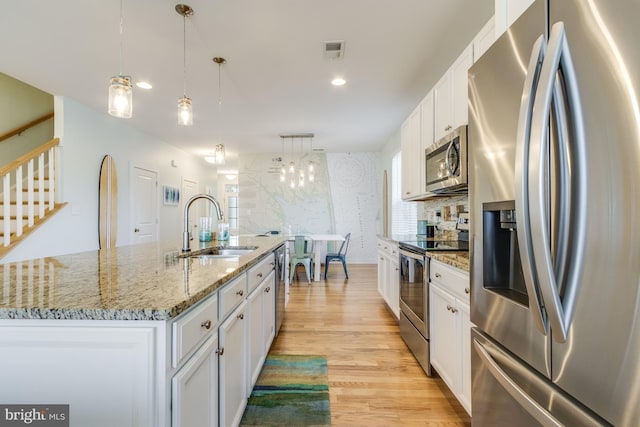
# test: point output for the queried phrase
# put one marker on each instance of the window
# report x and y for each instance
(403, 214)
(231, 197)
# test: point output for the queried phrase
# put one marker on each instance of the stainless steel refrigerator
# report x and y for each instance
(554, 187)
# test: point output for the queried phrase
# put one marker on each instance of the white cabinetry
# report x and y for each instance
(233, 366)
(416, 135)
(450, 96)
(194, 389)
(262, 326)
(450, 329)
(507, 11)
(410, 145)
(104, 369)
(389, 274)
(484, 39)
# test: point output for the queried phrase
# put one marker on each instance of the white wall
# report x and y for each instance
(20, 104)
(86, 137)
(344, 198)
(386, 156)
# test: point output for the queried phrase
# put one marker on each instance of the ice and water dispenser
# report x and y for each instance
(501, 266)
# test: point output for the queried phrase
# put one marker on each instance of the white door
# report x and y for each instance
(144, 205)
(190, 189)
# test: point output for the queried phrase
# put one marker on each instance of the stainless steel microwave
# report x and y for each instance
(446, 164)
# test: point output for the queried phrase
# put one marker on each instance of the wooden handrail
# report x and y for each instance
(30, 155)
(21, 129)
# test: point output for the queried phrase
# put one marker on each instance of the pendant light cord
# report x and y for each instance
(184, 53)
(121, 31)
(219, 88)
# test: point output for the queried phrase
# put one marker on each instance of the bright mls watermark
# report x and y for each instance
(34, 415)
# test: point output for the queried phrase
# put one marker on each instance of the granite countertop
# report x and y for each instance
(137, 282)
(457, 259)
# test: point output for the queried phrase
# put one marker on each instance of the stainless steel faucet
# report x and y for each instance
(185, 233)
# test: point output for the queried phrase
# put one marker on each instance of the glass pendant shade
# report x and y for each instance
(121, 97)
(185, 111)
(218, 157)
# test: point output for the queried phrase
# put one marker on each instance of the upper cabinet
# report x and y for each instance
(484, 39)
(507, 11)
(450, 96)
(410, 145)
(416, 134)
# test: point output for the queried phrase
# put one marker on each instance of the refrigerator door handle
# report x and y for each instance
(559, 312)
(536, 410)
(523, 226)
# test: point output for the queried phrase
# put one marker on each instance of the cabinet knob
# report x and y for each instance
(273, 264)
(448, 307)
(466, 290)
(454, 310)
(408, 192)
(241, 316)
(206, 324)
(268, 289)
(259, 275)
(136, 230)
(240, 292)
(220, 351)
(438, 275)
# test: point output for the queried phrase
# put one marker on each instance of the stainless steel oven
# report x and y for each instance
(414, 304)
(446, 163)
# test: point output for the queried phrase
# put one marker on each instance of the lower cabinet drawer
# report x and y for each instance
(191, 329)
(260, 271)
(454, 280)
(232, 294)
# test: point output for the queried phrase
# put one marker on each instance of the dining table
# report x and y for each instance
(320, 242)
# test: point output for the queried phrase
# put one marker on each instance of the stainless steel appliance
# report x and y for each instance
(414, 293)
(554, 134)
(281, 276)
(414, 303)
(446, 163)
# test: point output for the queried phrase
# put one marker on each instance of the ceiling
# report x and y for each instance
(276, 79)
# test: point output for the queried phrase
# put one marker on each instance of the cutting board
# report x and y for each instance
(108, 204)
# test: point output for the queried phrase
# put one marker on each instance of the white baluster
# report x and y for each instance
(52, 199)
(30, 209)
(7, 208)
(41, 199)
(19, 206)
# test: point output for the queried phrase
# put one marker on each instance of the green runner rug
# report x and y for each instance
(292, 390)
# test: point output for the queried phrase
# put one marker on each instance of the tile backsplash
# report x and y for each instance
(443, 211)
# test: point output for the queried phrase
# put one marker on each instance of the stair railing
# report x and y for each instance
(13, 172)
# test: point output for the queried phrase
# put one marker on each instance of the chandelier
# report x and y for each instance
(292, 174)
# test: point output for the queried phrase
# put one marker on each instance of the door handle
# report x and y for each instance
(523, 227)
(560, 313)
(521, 396)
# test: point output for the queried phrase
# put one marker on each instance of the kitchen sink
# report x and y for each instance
(220, 252)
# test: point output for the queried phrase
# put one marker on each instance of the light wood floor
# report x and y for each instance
(373, 378)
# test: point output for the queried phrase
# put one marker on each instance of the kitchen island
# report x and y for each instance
(133, 335)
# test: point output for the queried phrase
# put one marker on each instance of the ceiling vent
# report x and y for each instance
(333, 49)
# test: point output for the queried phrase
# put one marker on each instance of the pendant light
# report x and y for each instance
(120, 89)
(218, 156)
(185, 110)
(296, 177)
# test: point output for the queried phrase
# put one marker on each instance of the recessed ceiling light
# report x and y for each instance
(338, 81)
(144, 85)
